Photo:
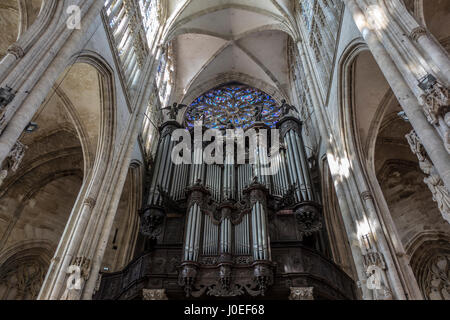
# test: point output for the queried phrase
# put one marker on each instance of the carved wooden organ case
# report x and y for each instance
(211, 230)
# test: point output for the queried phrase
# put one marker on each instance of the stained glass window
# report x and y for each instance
(233, 103)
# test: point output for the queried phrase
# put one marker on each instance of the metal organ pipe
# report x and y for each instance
(175, 181)
(187, 246)
(228, 173)
(284, 176)
(205, 235)
(164, 158)
(225, 234)
(193, 232)
(247, 248)
(179, 181)
(254, 234)
(168, 168)
(276, 183)
(210, 238)
(259, 233)
(291, 166)
(162, 170)
(237, 239)
(213, 180)
(215, 239)
(305, 166)
(244, 176)
(219, 182)
(264, 232)
(259, 225)
(198, 223)
(297, 164)
(183, 184)
(239, 182)
(154, 178)
(264, 165)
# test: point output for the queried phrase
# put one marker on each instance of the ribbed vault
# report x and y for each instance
(222, 39)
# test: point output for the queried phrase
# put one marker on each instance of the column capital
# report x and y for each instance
(16, 51)
(435, 102)
(154, 294)
(416, 33)
(290, 123)
(90, 202)
(366, 195)
(301, 293)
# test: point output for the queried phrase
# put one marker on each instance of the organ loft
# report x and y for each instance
(224, 149)
(231, 229)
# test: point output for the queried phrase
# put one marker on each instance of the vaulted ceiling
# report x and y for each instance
(16, 17)
(217, 41)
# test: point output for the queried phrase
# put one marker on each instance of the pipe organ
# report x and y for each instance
(230, 229)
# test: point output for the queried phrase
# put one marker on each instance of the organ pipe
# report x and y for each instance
(163, 167)
(192, 245)
(248, 236)
(297, 166)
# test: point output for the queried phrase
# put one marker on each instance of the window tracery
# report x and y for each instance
(233, 104)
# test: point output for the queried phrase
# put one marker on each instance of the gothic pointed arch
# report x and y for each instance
(72, 142)
(373, 133)
(22, 270)
(26, 21)
(232, 103)
(430, 261)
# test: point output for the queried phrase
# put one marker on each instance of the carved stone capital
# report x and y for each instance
(416, 33)
(290, 123)
(374, 258)
(16, 51)
(366, 195)
(90, 202)
(435, 103)
(154, 294)
(84, 264)
(15, 157)
(7, 95)
(301, 293)
(434, 182)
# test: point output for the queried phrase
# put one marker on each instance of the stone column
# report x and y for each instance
(436, 52)
(13, 160)
(89, 227)
(396, 30)
(48, 16)
(418, 33)
(110, 196)
(35, 74)
(440, 193)
(350, 221)
(428, 135)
